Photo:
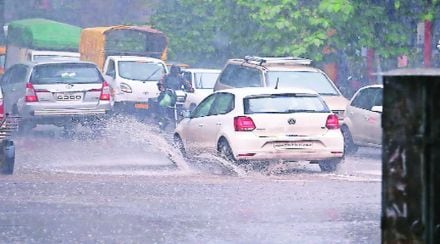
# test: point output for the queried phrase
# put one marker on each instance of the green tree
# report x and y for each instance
(213, 30)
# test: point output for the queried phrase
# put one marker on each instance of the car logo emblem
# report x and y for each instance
(291, 121)
(69, 86)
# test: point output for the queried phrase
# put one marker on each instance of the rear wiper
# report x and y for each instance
(301, 111)
(328, 94)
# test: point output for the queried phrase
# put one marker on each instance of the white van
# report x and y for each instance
(133, 80)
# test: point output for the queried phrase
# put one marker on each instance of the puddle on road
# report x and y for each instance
(128, 146)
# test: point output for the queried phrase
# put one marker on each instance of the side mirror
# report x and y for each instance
(186, 114)
(377, 109)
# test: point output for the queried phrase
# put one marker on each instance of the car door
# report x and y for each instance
(373, 129)
(223, 104)
(14, 87)
(196, 124)
(358, 111)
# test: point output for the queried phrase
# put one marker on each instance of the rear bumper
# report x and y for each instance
(251, 147)
(68, 112)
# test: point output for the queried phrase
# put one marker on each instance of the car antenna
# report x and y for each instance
(278, 81)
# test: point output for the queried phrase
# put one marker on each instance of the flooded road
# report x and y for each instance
(129, 185)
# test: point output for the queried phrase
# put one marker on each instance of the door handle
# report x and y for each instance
(200, 125)
(219, 123)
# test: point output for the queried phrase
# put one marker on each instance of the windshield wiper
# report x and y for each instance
(153, 73)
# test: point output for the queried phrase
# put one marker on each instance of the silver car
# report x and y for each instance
(59, 93)
(362, 125)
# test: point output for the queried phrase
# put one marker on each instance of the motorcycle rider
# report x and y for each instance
(167, 87)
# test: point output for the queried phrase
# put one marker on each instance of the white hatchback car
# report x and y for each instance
(264, 124)
(363, 119)
(203, 81)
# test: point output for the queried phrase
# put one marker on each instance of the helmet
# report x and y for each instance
(174, 69)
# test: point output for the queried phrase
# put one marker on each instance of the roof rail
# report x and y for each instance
(275, 60)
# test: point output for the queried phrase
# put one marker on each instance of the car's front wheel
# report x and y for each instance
(178, 143)
(329, 165)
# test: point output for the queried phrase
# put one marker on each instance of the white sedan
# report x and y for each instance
(263, 124)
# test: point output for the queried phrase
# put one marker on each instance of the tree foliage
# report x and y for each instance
(211, 31)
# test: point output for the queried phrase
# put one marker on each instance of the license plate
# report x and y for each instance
(141, 105)
(293, 145)
(68, 97)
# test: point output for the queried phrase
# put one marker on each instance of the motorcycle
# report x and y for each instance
(171, 106)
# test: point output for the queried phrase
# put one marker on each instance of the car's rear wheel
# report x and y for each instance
(349, 146)
(225, 151)
(329, 165)
(178, 143)
(25, 127)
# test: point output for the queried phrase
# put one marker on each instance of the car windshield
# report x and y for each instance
(284, 103)
(305, 79)
(46, 58)
(144, 71)
(205, 80)
(65, 73)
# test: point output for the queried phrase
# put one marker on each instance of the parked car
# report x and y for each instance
(203, 81)
(55, 93)
(133, 80)
(362, 123)
(281, 72)
(263, 124)
(7, 147)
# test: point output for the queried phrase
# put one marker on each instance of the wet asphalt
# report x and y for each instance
(129, 185)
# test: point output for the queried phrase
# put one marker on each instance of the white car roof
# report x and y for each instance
(136, 58)
(201, 70)
(55, 53)
(249, 91)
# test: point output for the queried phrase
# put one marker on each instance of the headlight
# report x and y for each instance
(125, 88)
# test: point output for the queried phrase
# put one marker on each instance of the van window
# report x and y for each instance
(312, 80)
(241, 76)
(187, 75)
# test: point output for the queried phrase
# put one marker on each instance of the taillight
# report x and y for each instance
(105, 92)
(30, 95)
(243, 123)
(332, 122)
(2, 109)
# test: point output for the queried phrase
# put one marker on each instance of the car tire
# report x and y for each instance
(8, 157)
(178, 143)
(349, 146)
(329, 165)
(25, 127)
(225, 151)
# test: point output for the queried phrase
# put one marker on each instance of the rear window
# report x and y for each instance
(65, 73)
(284, 103)
(312, 80)
(46, 58)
